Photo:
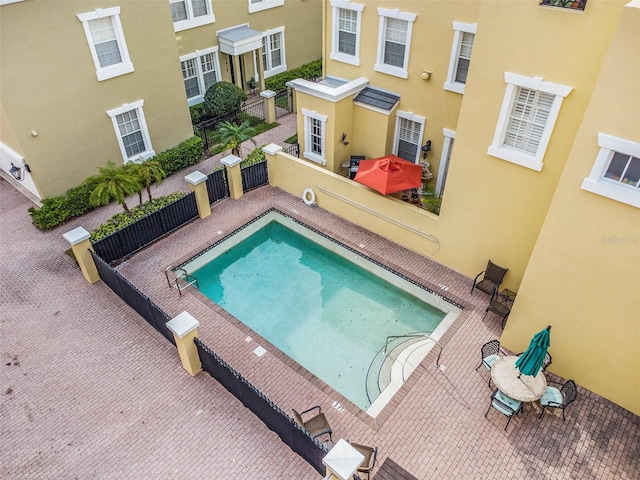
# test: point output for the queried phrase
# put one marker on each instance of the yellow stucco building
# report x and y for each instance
(541, 101)
(85, 82)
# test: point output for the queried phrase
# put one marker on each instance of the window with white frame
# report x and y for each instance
(191, 13)
(105, 36)
(394, 42)
(463, 38)
(200, 70)
(260, 5)
(273, 56)
(345, 39)
(131, 131)
(616, 171)
(528, 114)
(314, 136)
(408, 137)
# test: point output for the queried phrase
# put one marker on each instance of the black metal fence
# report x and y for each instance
(284, 103)
(146, 230)
(271, 415)
(133, 297)
(207, 129)
(217, 186)
(254, 176)
(293, 150)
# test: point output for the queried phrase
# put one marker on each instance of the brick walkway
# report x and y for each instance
(91, 391)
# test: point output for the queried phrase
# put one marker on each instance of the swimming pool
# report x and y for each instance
(328, 308)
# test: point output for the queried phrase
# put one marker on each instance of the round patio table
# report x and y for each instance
(524, 389)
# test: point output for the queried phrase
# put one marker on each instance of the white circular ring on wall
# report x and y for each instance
(309, 197)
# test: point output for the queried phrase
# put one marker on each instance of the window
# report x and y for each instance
(131, 130)
(200, 70)
(190, 13)
(409, 129)
(529, 112)
(106, 41)
(346, 21)
(273, 58)
(464, 35)
(394, 40)
(570, 4)
(616, 171)
(259, 5)
(314, 132)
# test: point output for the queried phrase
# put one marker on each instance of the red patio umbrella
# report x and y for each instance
(389, 174)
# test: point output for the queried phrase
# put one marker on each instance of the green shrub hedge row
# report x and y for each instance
(57, 210)
(278, 82)
(124, 219)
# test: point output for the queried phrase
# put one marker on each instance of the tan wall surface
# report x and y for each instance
(49, 84)
(493, 209)
(583, 276)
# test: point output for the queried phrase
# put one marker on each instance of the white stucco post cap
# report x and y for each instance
(182, 324)
(343, 460)
(268, 94)
(272, 149)
(196, 177)
(76, 236)
(230, 160)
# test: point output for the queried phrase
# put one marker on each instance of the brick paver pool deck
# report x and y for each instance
(90, 391)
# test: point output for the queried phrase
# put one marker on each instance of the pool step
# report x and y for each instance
(402, 361)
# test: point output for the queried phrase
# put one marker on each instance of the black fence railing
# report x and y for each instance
(217, 186)
(207, 129)
(146, 230)
(271, 415)
(254, 176)
(293, 150)
(133, 297)
(284, 103)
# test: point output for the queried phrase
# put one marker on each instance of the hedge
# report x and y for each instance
(278, 83)
(57, 210)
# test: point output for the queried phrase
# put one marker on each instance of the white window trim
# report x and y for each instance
(122, 68)
(445, 157)
(264, 5)
(308, 154)
(197, 54)
(379, 65)
(127, 107)
(192, 22)
(414, 118)
(595, 183)
(458, 28)
(514, 81)
(283, 67)
(335, 54)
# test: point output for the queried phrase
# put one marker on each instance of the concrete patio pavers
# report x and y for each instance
(89, 390)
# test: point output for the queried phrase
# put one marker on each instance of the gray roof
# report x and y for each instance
(238, 34)
(377, 98)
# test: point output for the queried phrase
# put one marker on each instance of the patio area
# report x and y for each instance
(90, 390)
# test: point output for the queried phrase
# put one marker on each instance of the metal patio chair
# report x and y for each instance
(493, 276)
(370, 454)
(559, 398)
(490, 352)
(317, 425)
(505, 405)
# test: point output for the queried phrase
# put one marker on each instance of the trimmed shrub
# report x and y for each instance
(278, 82)
(223, 98)
(256, 156)
(197, 114)
(184, 155)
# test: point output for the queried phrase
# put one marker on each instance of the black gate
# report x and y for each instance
(217, 186)
(148, 229)
(284, 105)
(271, 415)
(254, 176)
(134, 297)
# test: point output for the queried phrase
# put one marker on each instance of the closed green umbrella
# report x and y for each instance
(531, 360)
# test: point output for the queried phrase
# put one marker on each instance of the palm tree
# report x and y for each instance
(114, 183)
(230, 135)
(147, 172)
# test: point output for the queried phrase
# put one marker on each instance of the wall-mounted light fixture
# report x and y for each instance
(344, 138)
(426, 148)
(425, 75)
(17, 172)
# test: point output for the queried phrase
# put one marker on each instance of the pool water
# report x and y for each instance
(327, 313)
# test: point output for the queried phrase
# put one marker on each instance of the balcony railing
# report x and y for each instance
(569, 4)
